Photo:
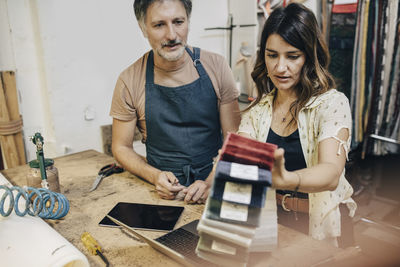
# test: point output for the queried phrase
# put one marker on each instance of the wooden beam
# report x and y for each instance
(7, 141)
(10, 91)
(1, 160)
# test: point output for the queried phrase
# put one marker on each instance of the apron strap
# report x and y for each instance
(196, 60)
(189, 172)
(191, 53)
(150, 68)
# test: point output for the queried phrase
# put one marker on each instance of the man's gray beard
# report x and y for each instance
(174, 56)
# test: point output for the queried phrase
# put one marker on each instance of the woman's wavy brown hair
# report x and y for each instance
(298, 26)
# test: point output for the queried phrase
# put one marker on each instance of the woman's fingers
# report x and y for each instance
(279, 159)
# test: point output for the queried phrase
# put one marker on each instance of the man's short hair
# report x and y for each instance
(140, 7)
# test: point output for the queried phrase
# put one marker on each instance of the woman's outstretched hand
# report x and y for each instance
(279, 171)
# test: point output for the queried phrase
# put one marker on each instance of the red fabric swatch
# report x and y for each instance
(248, 151)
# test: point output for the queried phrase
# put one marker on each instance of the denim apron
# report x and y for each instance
(183, 126)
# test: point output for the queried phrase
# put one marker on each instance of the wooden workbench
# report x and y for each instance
(77, 173)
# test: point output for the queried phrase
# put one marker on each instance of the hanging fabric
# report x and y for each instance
(375, 77)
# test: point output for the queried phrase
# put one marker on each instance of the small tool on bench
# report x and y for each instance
(93, 247)
(105, 172)
(37, 139)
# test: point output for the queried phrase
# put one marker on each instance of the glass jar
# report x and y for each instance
(34, 178)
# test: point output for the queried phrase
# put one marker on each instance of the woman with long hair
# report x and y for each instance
(298, 109)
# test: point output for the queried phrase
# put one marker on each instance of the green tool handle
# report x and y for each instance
(40, 157)
(37, 139)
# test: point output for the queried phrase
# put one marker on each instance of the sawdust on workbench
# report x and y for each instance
(120, 248)
(76, 175)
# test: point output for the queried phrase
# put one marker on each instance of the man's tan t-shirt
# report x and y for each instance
(128, 101)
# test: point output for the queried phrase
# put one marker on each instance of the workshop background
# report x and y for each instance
(67, 56)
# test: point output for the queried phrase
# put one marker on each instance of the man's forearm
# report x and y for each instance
(135, 164)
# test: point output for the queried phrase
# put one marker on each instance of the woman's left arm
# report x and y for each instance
(321, 177)
(333, 137)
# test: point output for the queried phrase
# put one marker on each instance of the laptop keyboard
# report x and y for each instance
(182, 241)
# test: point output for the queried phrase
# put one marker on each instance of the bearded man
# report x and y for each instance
(182, 99)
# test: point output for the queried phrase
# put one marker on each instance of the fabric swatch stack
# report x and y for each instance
(240, 214)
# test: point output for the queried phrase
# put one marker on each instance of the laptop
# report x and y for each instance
(179, 244)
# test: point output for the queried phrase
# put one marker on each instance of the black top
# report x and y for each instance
(294, 158)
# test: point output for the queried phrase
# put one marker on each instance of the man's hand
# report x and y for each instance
(196, 192)
(167, 185)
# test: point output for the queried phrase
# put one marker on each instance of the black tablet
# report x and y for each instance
(144, 216)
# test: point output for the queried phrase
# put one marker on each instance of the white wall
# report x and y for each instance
(67, 55)
(245, 12)
(6, 49)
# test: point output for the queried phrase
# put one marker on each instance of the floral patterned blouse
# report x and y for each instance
(321, 118)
